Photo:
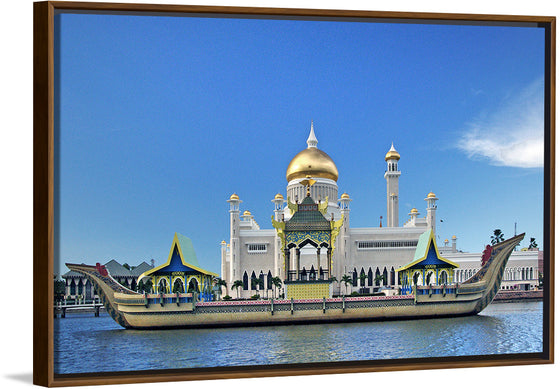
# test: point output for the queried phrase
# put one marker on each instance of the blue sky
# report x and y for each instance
(163, 118)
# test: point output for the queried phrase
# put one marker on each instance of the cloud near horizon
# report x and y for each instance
(512, 135)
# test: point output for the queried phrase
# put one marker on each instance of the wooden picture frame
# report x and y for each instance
(44, 203)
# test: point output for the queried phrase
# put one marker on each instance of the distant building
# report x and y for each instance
(78, 285)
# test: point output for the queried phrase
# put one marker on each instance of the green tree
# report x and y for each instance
(497, 237)
(347, 280)
(219, 282)
(277, 282)
(257, 282)
(236, 285)
(379, 279)
(59, 289)
(533, 244)
(148, 286)
(363, 277)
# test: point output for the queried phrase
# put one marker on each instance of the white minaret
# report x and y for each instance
(234, 249)
(431, 211)
(343, 239)
(392, 176)
(278, 201)
(225, 263)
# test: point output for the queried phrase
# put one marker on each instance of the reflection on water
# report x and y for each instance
(84, 343)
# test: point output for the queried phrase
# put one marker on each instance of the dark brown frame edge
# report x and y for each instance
(43, 202)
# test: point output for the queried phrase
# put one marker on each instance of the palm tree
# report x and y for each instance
(257, 282)
(219, 282)
(379, 279)
(236, 285)
(277, 282)
(533, 244)
(347, 280)
(363, 277)
(497, 237)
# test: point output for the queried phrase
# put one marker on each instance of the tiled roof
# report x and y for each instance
(311, 219)
(140, 269)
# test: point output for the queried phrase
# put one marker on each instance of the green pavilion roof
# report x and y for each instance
(427, 253)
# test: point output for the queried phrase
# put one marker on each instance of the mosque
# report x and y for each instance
(312, 242)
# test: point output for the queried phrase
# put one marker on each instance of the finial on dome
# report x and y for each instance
(312, 140)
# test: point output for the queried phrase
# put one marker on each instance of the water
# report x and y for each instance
(84, 343)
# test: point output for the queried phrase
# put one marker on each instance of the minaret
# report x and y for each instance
(344, 236)
(225, 267)
(278, 201)
(431, 211)
(392, 176)
(413, 215)
(234, 249)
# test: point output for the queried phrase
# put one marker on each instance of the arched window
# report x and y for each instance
(193, 286)
(392, 276)
(162, 286)
(377, 276)
(253, 283)
(355, 278)
(269, 280)
(178, 286)
(245, 281)
(385, 277)
(370, 276)
(443, 278)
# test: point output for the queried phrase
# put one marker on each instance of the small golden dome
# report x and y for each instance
(279, 197)
(312, 162)
(453, 237)
(431, 195)
(234, 197)
(413, 210)
(392, 154)
(247, 213)
(223, 242)
(345, 196)
(446, 240)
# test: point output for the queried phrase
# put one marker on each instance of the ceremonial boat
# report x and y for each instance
(183, 310)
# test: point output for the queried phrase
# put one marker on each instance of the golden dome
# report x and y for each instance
(446, 240)
(223, 242)
(247, 213)
(431, 195)
(392, 154)
(234, 197)
(345, 196)
(413, 210)
(279, 197)
(312, 162)
(453, 237)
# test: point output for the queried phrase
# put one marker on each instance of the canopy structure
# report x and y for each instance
(181, 273)
(307, 226)
(427, 267)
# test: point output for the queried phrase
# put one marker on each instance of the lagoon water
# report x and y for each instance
(84, 343)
